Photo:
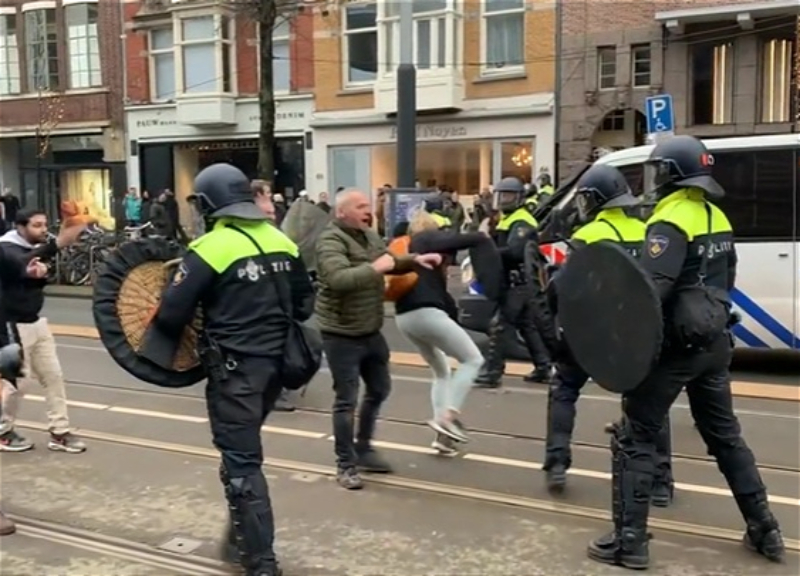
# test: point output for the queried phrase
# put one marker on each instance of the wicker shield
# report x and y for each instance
(126, 292)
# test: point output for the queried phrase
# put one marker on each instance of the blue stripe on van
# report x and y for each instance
(763, 317)
(748, 337)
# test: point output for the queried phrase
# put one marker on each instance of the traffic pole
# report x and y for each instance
(406, 100)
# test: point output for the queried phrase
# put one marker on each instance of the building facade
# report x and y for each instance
(727, 63)
(485, 77)
(62, 144)
(192, 93)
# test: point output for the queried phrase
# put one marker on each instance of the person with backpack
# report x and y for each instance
(427, 316)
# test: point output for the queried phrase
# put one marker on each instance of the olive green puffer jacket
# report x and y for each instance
(350, 292)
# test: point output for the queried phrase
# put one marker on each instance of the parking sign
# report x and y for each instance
(660, 115)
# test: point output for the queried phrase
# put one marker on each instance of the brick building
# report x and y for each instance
(727, 64)
(192, 83)
(485, 79)
(62, 144)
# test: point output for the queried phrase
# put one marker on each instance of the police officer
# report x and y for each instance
(531, 197)
(515, 229)
(690, 255)
(438, 206)
(545, 186)
(244, 272)
(602, 195)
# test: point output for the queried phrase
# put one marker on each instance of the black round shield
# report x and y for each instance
(128, 288)
(610, 313)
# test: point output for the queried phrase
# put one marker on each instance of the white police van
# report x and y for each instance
(761, 177)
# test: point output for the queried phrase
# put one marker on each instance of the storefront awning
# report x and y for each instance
(744, 14)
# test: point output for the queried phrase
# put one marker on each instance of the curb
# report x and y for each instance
(740, 389)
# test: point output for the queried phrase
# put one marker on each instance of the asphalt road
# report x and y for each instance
(169, 430)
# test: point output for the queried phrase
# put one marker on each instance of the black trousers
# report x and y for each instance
(516, 315)
(705, 376)
(237, 408)
(565, 390)
(350, 360)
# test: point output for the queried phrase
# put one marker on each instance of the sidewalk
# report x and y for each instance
(151, 497)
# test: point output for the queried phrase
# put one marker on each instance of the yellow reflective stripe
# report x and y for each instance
(442, 221)
(631, 229)
(223, 246)
(520, 214)
(685, 209)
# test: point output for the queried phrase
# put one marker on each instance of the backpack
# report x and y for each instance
(397, 286)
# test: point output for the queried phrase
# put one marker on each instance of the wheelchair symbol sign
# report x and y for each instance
(660, 114)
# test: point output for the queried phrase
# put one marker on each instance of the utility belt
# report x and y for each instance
(217, 363)
(697, 337)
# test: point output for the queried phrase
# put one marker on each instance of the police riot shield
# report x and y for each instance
(610, 314)
(127, 290)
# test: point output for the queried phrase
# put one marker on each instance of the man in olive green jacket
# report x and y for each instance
(351, 262)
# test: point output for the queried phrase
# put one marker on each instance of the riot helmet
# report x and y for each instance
(680, 162)
(222, 190)
(544, 179)
(509, 194)
(531, 191)
(602, 187)
(434, 202)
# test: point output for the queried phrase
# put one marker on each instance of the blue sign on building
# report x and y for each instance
(660, 114)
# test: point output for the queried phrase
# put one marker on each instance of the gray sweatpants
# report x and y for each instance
(438, 336)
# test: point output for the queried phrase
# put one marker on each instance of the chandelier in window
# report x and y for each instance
(522, 158)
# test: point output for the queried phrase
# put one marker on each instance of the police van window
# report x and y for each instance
(634, 174)
(759, 192)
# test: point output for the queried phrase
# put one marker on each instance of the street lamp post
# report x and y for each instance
(406, 100)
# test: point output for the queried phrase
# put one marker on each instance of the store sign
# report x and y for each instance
(436, 131)
(161, 123)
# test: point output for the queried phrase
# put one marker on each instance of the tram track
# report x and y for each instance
(134, 551)
(128, 550)
(422, 425)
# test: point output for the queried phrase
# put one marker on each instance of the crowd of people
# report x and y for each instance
(257, 294)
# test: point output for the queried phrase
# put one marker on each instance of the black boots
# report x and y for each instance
(763, 535)
(253, 529)
(632, 484)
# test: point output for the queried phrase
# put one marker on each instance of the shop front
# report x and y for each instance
(165, 154)
(67, 176)
(468, 154)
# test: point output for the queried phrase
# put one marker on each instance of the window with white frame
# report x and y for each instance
(503, 35)
(360, 42)
(606, 68)
(206, 45)
(281, 56)
(9, 55)
(641, 68)
(83, 45)
(162, 64)
(41, 49)
(436, 34)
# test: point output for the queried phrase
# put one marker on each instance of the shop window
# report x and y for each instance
(777, 56)
(162, 64)
(360, 43)
(606, 68)
(83, 45)
(87, 193)
(712, 84)
(504, 35)
(281, 57)
(207, 54)
(759, 192)
(41, 50)
(516, 159)
(9, 55)
(641, 65)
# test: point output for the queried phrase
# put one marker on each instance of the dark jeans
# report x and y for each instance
(563, 396)
(351, 359)
(237, 408)
(705, 376)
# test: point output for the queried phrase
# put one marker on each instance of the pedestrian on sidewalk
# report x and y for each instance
(24, 307)
(351, 261)
(427, 315)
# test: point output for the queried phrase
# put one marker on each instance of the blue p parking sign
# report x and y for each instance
(660, 114)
